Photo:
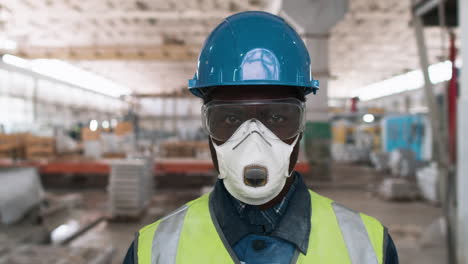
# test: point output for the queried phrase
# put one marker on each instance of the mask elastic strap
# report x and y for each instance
(293, 145)
(295, 140)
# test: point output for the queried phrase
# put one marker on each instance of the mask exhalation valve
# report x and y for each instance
(255, 176)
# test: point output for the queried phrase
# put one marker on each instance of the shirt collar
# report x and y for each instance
(289, 219)
(264, 221)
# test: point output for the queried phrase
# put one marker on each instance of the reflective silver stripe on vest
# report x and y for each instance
(355, 235)
(166, 237)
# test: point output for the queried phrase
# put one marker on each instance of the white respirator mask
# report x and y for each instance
(254, 163)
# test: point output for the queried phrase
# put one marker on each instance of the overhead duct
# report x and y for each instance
(314, 19)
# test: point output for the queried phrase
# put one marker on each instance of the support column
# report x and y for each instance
(164, 114)
(34, 100)
(317, 105)
(317, 134)
(462, 163)
(174, 115)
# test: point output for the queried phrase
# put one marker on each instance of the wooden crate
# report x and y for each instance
(12, 145)
(184, 149)
(123, 128)
(39, 147)
(89, 135)
(112, 155)
(7, 149)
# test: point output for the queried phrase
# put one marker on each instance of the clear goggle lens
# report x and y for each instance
(285, 118)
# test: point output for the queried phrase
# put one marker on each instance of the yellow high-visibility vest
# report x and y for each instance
(191, 235)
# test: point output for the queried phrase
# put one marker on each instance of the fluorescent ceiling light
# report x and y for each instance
(412, 80)
(105, 124)
(368, 118)
(66, 72)
(93, 125)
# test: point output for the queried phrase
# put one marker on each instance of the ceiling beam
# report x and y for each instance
(160, 15)
(181, 93)
(166, 52)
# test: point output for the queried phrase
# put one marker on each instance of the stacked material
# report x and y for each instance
(379, 161)
(39, 147)
(90, 135)
(110, 143)
(109, 146)
(26, 254)
(349, 153)
(20, 191)
(398, 189)
(12, 146)
(342, 131)
(130, 187)
(185, 149)
(123, 128)
(428, 182)
(402, 163)
(125, 138)
(65, 144)
(92, 149)
(368, 136)
(91, 143)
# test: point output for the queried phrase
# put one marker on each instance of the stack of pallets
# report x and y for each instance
(185, 149)
(39, 147)
(12, 146)
(130, 188)
(7, 146)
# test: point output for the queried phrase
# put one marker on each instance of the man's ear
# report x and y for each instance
(294, 154)
(214, 158)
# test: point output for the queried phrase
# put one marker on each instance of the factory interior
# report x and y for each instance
(100, 135)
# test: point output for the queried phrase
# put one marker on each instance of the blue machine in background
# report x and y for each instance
(409, 132)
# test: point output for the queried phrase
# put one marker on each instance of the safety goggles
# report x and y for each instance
(285, 117)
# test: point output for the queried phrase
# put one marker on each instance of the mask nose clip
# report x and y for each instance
(253, 130)
(256, 127)
(248, 135)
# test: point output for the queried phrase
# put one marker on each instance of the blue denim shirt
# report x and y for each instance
(264, 236)
(272, 235)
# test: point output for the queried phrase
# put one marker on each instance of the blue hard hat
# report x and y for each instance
(253, 48)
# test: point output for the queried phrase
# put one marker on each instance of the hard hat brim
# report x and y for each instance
(305, 89)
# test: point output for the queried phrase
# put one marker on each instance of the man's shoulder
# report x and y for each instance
(181, 210)
(314, 196)
(317, 198)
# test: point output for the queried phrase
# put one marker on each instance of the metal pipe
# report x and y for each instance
(429, 92)
(462, 140)
(441, 156)
(452, 95)
(443, 27)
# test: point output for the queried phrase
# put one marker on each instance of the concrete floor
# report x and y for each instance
(352, 186)
(121, 234)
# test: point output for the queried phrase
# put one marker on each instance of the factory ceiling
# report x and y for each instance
(151, 46)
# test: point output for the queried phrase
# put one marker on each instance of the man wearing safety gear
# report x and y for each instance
(253, 74)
